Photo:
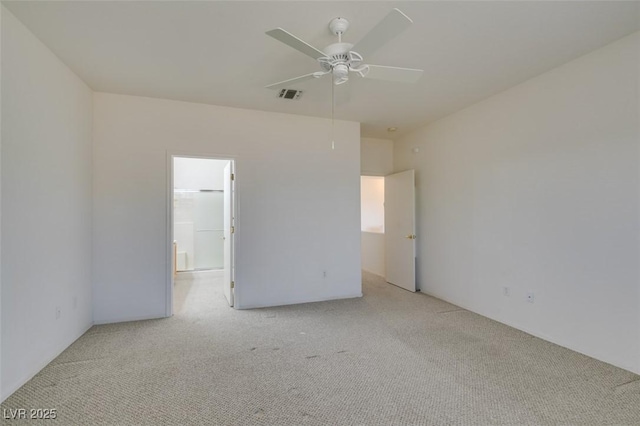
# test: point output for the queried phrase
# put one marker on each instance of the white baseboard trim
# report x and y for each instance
(199, 275)
(128, 319)
(322, 299)
(529, 331)
(43, 363)
(375, 273)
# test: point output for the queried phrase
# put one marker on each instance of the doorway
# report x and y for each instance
(388, 227)
(202, 194)
(372, 224)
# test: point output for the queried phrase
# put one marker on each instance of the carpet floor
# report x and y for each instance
(389, 358)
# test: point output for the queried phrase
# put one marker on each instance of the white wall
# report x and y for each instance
(373, 253)
(537, 189)
(372, 203)
(46, 205)
(376, 159)
(372, 224)
(298, 209)
(376, 156)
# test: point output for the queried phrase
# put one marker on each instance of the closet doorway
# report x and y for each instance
(202, 228)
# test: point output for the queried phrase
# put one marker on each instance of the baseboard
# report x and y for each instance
(375, 273)
(21, 382)
(300, 302)
(528, 331)
(128, 319)
(195, 275)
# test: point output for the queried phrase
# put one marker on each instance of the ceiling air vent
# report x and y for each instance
(289, 94)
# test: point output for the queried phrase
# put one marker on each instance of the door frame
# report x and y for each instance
(169, 259)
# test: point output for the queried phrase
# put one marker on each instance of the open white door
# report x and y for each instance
(228, 232)
(399, 229)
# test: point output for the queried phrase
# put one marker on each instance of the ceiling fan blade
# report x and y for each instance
(288, 83)
(403, 75)
(392, 25)
(293, 41)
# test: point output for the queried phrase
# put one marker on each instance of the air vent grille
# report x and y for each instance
(290, 94)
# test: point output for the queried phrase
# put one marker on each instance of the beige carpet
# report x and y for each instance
(389, 358)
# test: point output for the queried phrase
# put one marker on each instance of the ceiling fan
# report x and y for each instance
(339, 59)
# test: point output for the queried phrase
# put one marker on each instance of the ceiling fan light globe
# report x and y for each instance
(341, 71)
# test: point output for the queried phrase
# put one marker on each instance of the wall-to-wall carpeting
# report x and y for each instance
(391, 357)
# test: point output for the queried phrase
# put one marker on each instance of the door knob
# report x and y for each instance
(411, 236)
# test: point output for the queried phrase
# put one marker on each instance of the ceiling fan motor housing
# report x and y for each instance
(337, 53)
(340, 60)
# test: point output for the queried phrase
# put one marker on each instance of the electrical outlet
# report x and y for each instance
(506, 291)
(324, 274)
(530, 296)
(58, 312)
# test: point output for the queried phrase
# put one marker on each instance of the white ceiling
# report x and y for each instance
(217, 52)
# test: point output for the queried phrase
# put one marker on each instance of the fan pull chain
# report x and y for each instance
(333, 126)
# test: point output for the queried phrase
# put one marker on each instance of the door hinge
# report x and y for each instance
(233, 176)
(233, 284)
(233, 229)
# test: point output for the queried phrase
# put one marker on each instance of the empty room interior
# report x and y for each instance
(314, 212)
